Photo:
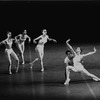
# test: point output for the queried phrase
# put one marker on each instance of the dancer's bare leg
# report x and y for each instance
(91, 75)
(68, 69)
(22, 52)
(67, 76)
(10, 62)
(37, 52)
(16, 58)
(34, 61)
(41, 53)
(41, 59)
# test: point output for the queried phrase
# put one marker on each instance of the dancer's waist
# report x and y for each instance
(41, 43)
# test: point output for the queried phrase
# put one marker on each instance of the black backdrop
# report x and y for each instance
(78, 20)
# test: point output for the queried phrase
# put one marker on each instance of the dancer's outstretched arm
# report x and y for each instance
(70, 46)
(90, 53)
(50, 39)
(13, 39)
(34, 40)
(2, 42)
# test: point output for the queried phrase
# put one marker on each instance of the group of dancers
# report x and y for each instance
(20, 41)
(73, 58)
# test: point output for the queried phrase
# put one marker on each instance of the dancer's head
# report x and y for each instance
(44, 31)
(25, 32)
(9, 34)
(78, 50)
(69, 54)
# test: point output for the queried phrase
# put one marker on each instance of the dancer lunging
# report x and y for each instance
(20, 41)
(40, 46)
(77, 64)
(9, 51)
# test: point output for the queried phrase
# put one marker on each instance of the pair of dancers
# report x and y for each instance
(73, 62)
(20, 41)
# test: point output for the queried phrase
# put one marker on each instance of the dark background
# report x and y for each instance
(78, 20)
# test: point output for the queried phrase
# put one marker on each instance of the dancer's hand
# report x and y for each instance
(54, 40)
(29, 40)
(67, 40)
(16, 40)
(95, 49)
(34, 41)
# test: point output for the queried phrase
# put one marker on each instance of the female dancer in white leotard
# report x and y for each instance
(9, 51)
(77, 65)
(40, 46)
(20, 41)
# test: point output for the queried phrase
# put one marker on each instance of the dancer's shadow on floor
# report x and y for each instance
(82, 81)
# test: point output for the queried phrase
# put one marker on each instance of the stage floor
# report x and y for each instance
(33, 84)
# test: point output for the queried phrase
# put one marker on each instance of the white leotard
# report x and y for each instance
(22, 39)
(8, 43)
(77, 62)
(43, 39)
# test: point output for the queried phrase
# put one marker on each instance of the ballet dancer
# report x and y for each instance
(68, 60)
(9, 51)
(77, 64)
(40, 46)
(20, 41)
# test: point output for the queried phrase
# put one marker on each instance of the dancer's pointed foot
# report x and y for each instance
(96, 79)
(33, 62)
(10, 72)
(67, 82)
(23, 63)
(31, 67)
(42, 69)
(16, 70)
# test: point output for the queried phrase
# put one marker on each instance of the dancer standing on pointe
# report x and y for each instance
(20, 41)
(77, 65)
(40, 46)
(9, 51)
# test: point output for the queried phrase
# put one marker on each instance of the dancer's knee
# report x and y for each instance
(68, 68)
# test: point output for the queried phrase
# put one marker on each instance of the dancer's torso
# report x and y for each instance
(69, 61)
(8, 43)
(21, 40)
(77, 62)
(43, 40)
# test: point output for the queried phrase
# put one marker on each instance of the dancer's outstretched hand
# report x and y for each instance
(67, 40)
(34, 41)
(95, 49)
(29, 40)
(54, 40)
